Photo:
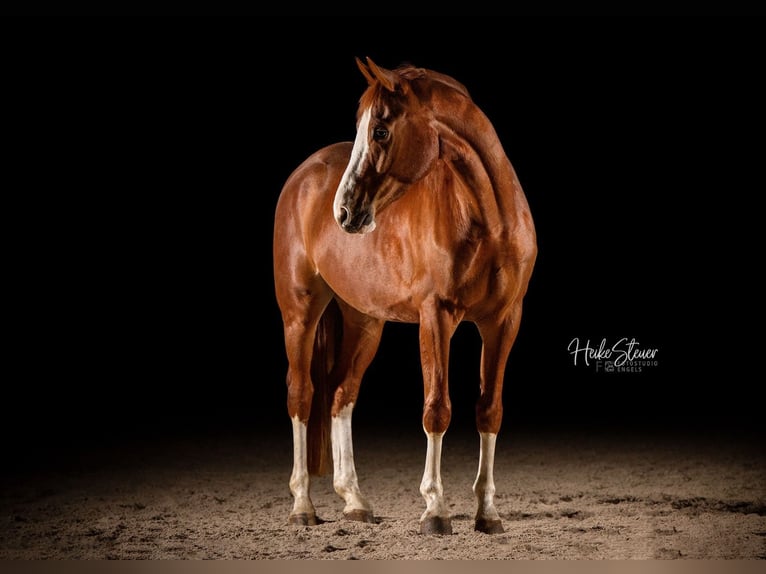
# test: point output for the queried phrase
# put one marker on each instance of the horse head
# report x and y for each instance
(396, 145)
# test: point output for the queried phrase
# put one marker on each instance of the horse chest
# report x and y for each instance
(395, 279)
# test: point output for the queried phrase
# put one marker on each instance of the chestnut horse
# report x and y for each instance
(420, 220)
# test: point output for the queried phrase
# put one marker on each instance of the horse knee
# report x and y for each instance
(489, 417)
(437, 416)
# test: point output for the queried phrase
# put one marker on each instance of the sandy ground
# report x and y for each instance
(561, 496)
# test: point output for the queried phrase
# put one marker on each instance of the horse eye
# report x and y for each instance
(379, 134)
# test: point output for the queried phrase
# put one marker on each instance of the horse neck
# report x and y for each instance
(470, 144)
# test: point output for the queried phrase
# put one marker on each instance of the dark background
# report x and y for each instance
(144, 163)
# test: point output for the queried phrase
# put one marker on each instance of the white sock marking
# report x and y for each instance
(344, 472)
(484, 486)
(431, 486)
(299, 480)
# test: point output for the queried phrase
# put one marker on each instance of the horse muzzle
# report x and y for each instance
(360, 222)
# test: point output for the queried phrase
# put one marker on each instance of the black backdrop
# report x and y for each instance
(148, 155)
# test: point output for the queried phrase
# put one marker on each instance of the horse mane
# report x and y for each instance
(412, 73)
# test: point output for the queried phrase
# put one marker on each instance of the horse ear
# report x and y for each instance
(365, 72)
(386, 77)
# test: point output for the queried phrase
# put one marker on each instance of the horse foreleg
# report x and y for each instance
(487, 517)
(436, 329)
(299, 335)
(436, 518)
(497, 342)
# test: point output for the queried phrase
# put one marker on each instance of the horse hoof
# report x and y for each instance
(489, 526)
(359, 516)
(436, 525)
(304, 519)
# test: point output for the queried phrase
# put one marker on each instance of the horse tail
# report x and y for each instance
(326, 347)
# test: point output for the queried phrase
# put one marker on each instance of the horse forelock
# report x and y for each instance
(369, 97)
(381, 102)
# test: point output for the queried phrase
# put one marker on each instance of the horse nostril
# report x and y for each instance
(343, 215)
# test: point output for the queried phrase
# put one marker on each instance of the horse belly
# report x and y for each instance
(378, 296)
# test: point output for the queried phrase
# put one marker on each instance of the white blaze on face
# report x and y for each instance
(354, 168)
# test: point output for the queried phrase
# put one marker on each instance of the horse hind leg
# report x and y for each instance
(303, 512)
(359, 343)
(487, 518)
(300, 397)
(345, 479)
(300, 323)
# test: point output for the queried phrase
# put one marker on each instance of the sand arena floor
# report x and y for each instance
(561, 496)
